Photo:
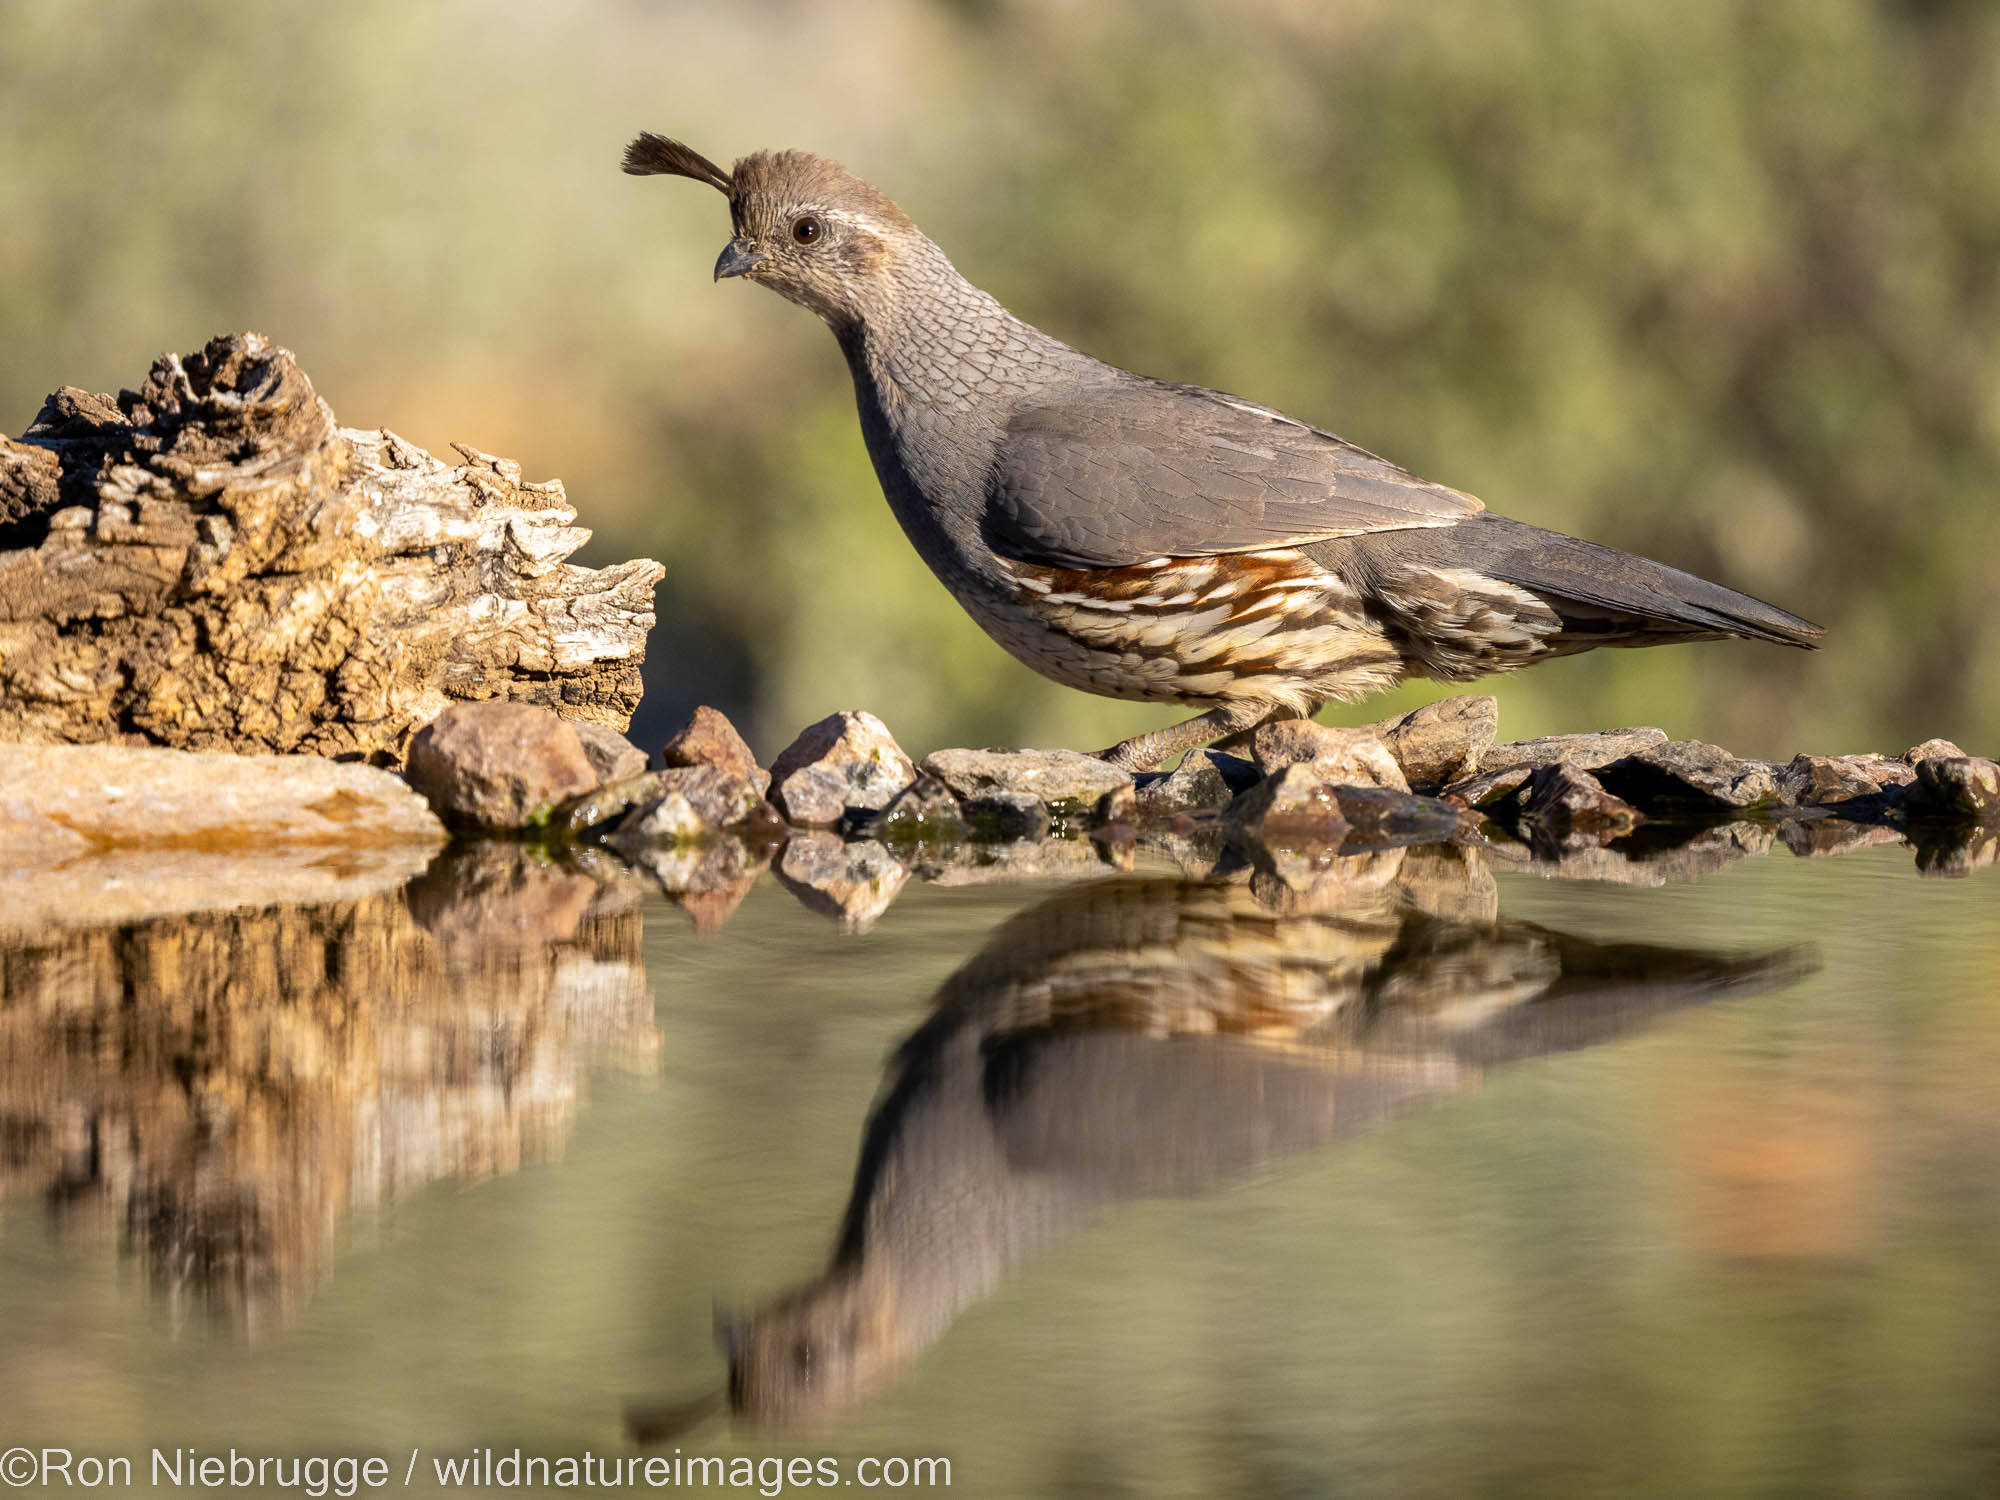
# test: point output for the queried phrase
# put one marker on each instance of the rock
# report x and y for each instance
(709, 739)
(855, 882)
(1380, 817)
(1296, 804)
(1687, 774)
(1506, 765)
(1444, 741)
(1965, 787)
(1068, 782)
(923, 812)
(847, 760)
(1205, 780)
(498, 764)
(692, 803)
(1349, 757)
(112, 833)
(1565, 803)
(211, 563)
(603, 804)
(70, 798)
(1932, 750)
(611, 755)
(1827, 780)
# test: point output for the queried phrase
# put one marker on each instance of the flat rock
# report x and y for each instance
(1064, 779)
(855, 882)
(1349, 757)
(846, 761)
(109, 833)
(1205, 780)
(1506, 765)
(498, 764)
(76, 798)
(1828, 780)
(1965, 787)
(1565, 803)
(1688, 774)
(692, 803)
(1442, 742)
(709, 739)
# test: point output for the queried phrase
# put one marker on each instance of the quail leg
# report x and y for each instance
(1143, 752)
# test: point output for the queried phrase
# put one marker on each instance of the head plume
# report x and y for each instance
(652, 155)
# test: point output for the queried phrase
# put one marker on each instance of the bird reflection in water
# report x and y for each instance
(1142, 1036)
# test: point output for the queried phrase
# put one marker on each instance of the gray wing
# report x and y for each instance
(1113, 476)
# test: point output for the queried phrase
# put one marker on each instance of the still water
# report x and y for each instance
(1439, 1179)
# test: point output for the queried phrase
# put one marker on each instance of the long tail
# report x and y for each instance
(1604, 596)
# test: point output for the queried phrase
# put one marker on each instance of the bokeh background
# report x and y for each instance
(1717, 281)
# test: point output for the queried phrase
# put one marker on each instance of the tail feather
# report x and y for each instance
(1610, 588)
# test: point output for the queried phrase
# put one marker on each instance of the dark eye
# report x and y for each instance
(806, 229)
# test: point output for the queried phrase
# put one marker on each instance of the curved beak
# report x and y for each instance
(737, 258)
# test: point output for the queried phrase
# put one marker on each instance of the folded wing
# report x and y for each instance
(1111, 477)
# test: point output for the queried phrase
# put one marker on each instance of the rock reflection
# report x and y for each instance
(1141, 1036)
(219, 1089)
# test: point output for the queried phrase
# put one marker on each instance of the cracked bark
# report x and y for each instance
(212, 563)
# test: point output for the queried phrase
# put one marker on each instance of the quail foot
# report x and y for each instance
(1161, 542)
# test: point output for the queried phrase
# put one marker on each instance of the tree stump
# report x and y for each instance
(211, 563)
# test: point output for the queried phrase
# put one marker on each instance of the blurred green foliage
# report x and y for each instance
(1715, 281)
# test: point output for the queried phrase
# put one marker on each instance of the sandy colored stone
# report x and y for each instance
(1064, 779)
(1348, 757)
(103, 797)
(1442, 741)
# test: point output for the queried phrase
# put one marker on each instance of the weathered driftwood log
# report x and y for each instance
(210, 562)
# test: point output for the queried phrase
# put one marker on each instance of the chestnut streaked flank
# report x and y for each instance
(1161, 542)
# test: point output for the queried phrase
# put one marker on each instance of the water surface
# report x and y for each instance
(1438, 1178)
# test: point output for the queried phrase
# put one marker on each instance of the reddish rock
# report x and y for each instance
(498, 764)
(709, 739)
